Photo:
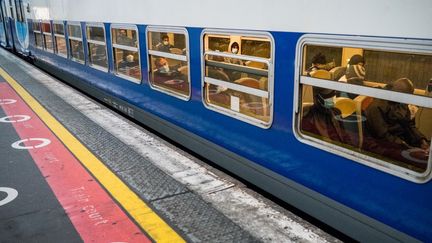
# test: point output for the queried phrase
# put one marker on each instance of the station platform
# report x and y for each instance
(72, 170)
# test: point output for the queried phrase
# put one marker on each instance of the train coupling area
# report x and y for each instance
(72, 170)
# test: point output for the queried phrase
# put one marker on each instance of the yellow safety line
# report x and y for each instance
(150, 222)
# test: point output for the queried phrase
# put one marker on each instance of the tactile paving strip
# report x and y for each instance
(196, 219)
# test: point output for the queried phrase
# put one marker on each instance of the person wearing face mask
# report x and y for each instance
(391, 122)
(164, 46)
(320, 118)
(234, 75)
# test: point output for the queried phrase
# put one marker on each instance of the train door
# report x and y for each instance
(21, 38)
(3, 21)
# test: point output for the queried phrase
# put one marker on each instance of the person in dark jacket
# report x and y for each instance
(391, 121)
(321, 120)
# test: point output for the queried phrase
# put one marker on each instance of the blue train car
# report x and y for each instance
(325, 109)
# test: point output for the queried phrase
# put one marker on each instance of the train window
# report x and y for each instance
(59, 39)
(47, 35)
(37, 34)
(97, 52)
(168, 61)
(126, 52)
(238, 75)
(371, 103)
(19, 11)
(75, 42)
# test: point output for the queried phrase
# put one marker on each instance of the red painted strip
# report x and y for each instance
(94, 214)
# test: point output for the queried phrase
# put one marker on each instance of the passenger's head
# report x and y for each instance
(319, 59)
(130, 58)
(235, 48)
(356, 60)
(123, 32)
(162, 64)
(403, 85)
(165, 40)
(355, 74)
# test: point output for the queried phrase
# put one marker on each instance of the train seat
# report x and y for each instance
(256, 84)
(337, 72)
(423, 119)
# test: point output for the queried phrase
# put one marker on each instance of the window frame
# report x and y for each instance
(45, 34)
(59, 35)
(270, 62)
(75, 23)
(39, 31)
(399, 45)
(90, 64)
(175, 30)
(127, 48)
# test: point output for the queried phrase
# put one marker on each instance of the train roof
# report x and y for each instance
(390, 18)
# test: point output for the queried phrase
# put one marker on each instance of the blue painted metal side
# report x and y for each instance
(396, 202)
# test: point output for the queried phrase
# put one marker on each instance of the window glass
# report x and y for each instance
(255, 47)
(383, 128)
(236, 76)
(126, 52)
(371, 68)
(97, 55)
(38, 40)
(61, 45)
(74, 31)
(170, 74)
(95, 33)
(46, 27)
(37, 34)
(77, 51)
(167, 42)
(125, 37)
(36, 26)
(127, 63)
(58, 29)
(218, 43)
(169, 67)
(48, 42)
(96, 46)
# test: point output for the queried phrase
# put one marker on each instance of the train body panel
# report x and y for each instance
(360, 192)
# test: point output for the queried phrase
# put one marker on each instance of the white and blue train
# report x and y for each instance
(325, 104)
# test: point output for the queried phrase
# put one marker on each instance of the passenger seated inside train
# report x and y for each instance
(171, 77)
(234, 75)
(391, 122)
(355, 74)
(165, 45)
(319, 62)
(128, 65)
(320, 118)
(124, 39)
(355, 71)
